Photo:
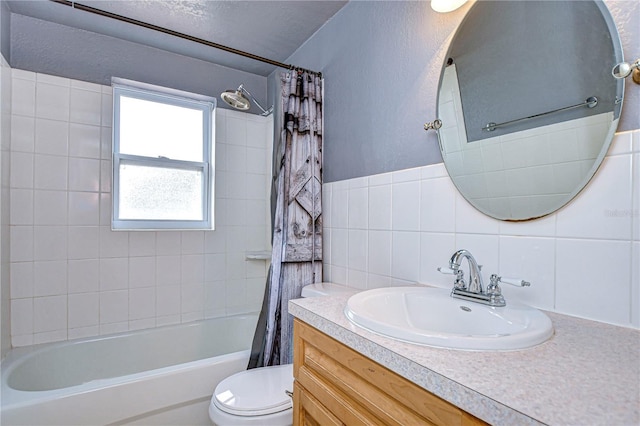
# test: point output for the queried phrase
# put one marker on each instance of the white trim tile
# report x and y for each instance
(405, 206)
(358, 208)
(52, 102)
(406, 175)
(340, 208)
(49, 336)
(23, 97)
(437, 205)
(85, 107)
(380, 207)
(380, 179)
(53, 79)
(83, 332)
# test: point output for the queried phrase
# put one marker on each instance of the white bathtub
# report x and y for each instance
(159, 376)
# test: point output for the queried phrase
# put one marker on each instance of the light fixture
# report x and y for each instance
(239, 99)
(624, 69)
(444, 6)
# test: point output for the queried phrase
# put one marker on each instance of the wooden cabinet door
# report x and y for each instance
(345, 387)
(309, 412)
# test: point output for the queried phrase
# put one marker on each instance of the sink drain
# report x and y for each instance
(465, 308)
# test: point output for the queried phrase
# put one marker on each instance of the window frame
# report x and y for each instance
(152, 93)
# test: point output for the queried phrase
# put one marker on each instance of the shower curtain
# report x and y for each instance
(296, 259)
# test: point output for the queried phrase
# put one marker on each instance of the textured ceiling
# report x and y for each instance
(271, 29)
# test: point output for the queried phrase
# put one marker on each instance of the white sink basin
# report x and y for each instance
(430, 316)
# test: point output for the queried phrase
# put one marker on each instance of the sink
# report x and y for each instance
(430, 316)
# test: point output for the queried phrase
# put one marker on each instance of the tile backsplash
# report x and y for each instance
(71, 276)
(397, 228)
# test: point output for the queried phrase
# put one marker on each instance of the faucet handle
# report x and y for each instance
(459, 283)
(514, 281)
(493, 288)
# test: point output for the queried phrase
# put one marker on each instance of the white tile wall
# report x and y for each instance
(582, 260)
(71, 275)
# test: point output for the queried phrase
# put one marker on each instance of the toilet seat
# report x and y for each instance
(255, 392)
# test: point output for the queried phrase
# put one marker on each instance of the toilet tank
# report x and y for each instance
(324, 289)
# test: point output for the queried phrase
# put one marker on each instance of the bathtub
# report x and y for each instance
(164, 375)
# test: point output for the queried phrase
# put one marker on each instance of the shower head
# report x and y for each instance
(241, 99)
(236, 99)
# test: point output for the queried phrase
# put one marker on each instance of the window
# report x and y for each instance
(162, 158)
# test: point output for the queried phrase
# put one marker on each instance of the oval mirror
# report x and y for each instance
(528, 104)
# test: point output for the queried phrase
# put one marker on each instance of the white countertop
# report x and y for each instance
(588, 373)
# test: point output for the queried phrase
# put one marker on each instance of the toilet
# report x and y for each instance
(260, 396)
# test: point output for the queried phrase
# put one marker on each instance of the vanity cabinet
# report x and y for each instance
(335, 385)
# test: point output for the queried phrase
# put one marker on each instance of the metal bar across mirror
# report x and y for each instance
(512, 63)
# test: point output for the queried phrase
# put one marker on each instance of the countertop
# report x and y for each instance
(588, 373)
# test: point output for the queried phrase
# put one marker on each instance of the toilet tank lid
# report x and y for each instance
(324, 289)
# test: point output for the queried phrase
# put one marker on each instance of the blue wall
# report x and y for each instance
(381, 62)
(4, 30)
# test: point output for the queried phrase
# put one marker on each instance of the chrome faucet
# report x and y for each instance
(475, 291)
(475, 276)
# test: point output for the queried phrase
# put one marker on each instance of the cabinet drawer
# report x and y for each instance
(358, 390)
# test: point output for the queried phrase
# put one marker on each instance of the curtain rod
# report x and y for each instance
(121, 18)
